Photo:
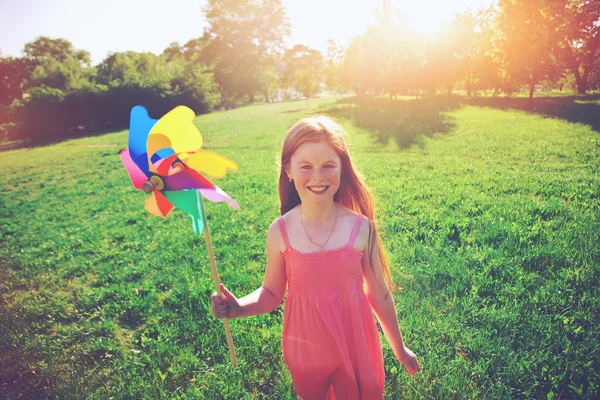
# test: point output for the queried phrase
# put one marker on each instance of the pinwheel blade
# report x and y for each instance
(217, 195)
(187, 179)
(189, 202)
(164, 165)
(161, 154)
(135, 173)
(175, 130)
(158, 204)
(140, 125)
(210, 163)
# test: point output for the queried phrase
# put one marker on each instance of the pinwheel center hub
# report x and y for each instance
(155, 183)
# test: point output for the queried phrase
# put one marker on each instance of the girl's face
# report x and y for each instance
(315, 168)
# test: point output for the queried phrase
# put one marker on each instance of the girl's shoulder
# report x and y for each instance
(365, 229)
(354, 216)
(275, 234)
(288, 216)
(348, 220)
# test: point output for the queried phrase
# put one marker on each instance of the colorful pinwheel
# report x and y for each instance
(164, 158)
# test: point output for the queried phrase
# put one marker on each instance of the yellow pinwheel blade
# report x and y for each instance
(210, 163)
(176, 131)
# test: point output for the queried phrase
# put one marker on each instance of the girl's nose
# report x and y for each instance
(317, 174)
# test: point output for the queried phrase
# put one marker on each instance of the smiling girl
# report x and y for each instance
(327, 250)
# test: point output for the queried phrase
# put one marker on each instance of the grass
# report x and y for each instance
(491, 210)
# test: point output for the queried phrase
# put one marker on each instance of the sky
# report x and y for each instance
(108, 26)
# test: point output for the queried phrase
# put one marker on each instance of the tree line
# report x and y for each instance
(54, 90)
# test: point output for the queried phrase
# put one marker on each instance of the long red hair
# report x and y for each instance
(353, 192)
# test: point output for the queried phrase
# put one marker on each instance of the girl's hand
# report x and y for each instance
(226, 307)
(409, 360)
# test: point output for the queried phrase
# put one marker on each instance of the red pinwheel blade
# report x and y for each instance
(165, 164)
(135, 173)
(158, 204)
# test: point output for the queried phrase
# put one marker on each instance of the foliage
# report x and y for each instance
(243, 38)
(54, 63)
(508, 47)
(356, 69)
(528, 41)
(304, 69)
(333, 66)
(13, 72)
(578, 44)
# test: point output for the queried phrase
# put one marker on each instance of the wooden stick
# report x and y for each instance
(215, 274)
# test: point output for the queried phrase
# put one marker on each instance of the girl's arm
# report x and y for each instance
(382, 302)
(264, 299)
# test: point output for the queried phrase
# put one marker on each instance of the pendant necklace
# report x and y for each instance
(330, 233)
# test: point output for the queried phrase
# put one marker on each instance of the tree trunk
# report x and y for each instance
(578, 80)
(251, 99)
(266, 96)
(450, 89)
(391, 98)
(584, 78)
(531, 88)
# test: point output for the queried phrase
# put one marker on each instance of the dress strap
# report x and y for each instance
(357, 226)
(283, 232)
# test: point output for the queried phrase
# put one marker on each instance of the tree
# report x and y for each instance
(173, 52)
(453, 53)
(194, 86)
(486, 67)
(528, 42)
(304, 69)
(194, 50)
(388, 58)
(13, 73)
(395, 51)
(578, 46)
(56, 64)
(135, 69)
(334, 66)
(357, 70)
(243, 39)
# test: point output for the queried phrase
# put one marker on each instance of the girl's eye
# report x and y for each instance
(305, 167)
(329, 166)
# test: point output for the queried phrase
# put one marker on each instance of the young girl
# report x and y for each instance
(324, 247)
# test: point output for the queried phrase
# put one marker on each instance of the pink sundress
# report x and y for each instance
(330, 340)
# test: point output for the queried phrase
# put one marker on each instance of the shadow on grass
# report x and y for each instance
(403, 121)
(577, 109)
(75, 134)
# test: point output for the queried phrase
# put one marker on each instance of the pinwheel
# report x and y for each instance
(164, 159)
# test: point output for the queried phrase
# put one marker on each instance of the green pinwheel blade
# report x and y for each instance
(189, 202)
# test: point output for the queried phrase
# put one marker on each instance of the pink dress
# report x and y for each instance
(330, 341)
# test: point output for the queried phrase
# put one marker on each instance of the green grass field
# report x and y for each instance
(490, 214)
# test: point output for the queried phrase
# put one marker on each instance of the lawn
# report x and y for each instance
(489, 209)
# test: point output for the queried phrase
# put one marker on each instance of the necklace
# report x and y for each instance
(330, 233)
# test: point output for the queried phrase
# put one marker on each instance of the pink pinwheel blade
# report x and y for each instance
(217, 195)
(135, 173)
(187, 179)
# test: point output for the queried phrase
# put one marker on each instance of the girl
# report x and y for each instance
(324, 247)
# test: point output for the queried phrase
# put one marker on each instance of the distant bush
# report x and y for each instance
(48, 113)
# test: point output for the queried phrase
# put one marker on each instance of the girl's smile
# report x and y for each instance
(315, 168)
(318, 189)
